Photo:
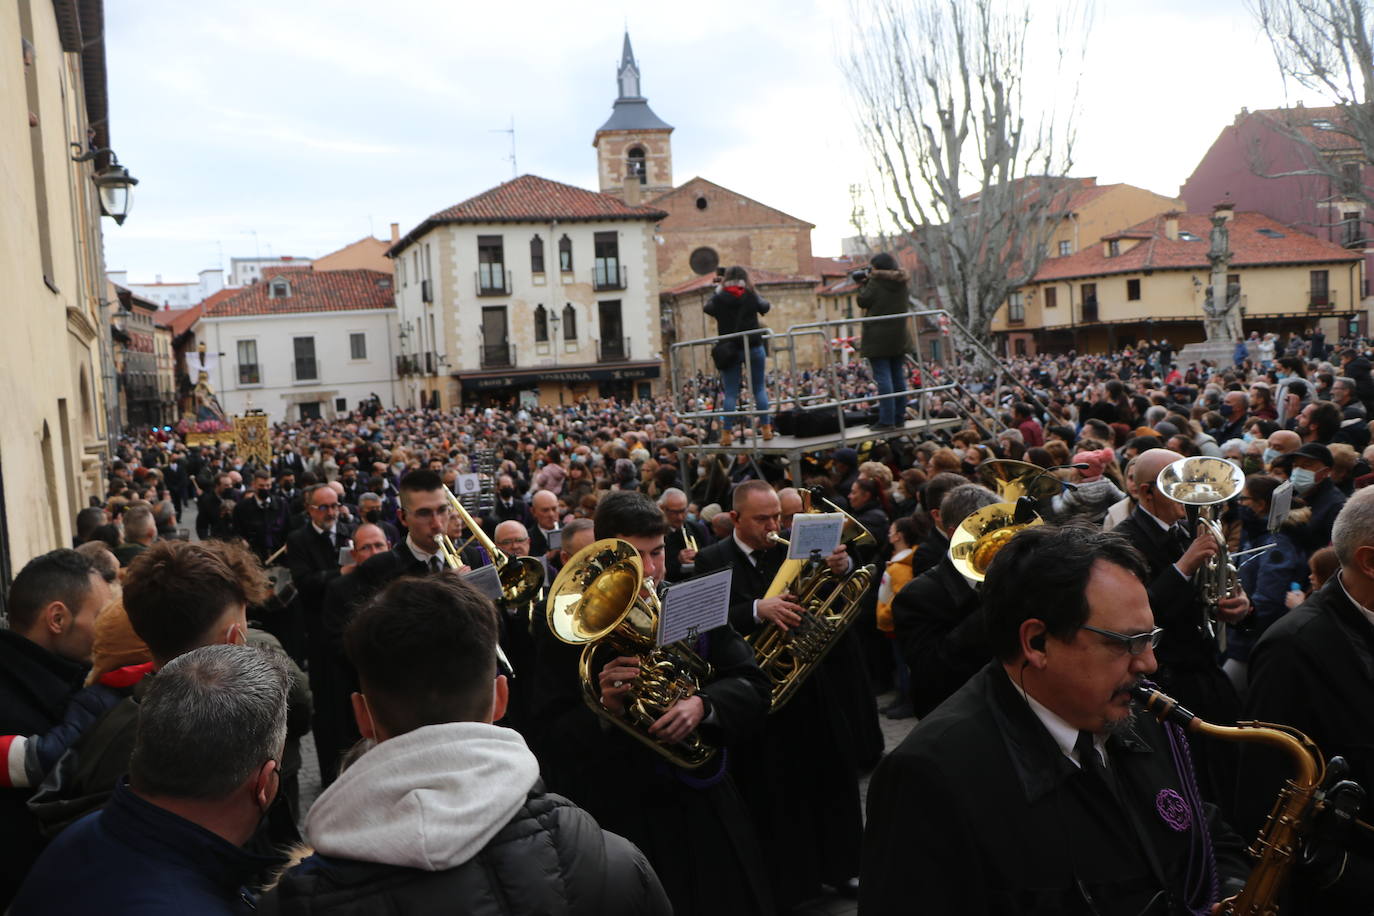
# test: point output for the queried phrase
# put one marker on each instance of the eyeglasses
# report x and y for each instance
(511, 542)
(1134, 644)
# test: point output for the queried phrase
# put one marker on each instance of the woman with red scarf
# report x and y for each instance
(736, 307)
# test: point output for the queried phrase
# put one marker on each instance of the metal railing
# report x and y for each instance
(305, 369)
(613, 348)
(609, 275)
(498, 356)
(492, 280)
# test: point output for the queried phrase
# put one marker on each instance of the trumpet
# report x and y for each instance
(522, 578)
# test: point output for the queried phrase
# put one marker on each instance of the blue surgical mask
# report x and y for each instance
(1269, 455)
(1248, 437)
(1303, 479)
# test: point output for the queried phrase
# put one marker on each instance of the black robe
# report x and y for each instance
(1189, 663)
(939, 631)
(799, 773)
(692, 825)
(1313, 670)
(978, 812)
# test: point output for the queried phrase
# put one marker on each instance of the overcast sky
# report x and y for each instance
(298, 127)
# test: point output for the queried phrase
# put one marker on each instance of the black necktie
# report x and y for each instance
(757, 556)
(434, 564)
(1091, 760)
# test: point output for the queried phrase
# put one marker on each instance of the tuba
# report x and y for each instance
(1202, 484)
(1300, 803)
(829, 605)
(595, 602)
(522, 578)
(980, 536)
(1012, 480)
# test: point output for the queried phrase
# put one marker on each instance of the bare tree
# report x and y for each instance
(971, 175)
(1326, 47)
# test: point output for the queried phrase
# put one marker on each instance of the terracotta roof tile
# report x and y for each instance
(1333, 134)
(1250, 247)
(530, 198)
(311, 291)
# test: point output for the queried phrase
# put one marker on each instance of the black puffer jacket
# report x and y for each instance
(738, 313)
(551, 858)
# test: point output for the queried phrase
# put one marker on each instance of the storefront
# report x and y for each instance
(551, 387)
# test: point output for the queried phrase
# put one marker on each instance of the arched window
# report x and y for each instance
(541, 325)
(634, 165)
(565, 254)
(569, 322)
(536, 255)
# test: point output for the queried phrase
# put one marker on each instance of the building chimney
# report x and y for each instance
(1226, 209)
(395, 233)
(632, 190)
(1171, 225)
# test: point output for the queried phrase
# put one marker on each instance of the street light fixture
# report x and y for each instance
(113, 182)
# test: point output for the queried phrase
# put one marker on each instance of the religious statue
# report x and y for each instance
(207, 405)
(1222, 318)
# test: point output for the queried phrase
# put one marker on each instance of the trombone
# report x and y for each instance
(522, 578)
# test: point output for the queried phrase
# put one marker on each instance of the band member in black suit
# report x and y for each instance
(681, 552)
(1188, 664)
(692, 824)
(799, 773)
(312, 555)
(260, 517)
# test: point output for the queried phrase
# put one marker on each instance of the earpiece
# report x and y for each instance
(1038, 643)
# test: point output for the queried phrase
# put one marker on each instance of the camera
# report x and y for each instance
(860, 275)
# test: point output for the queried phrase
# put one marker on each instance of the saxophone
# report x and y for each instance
(1300, 801)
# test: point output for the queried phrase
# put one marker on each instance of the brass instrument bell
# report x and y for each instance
(980, 536)
(1013, 479)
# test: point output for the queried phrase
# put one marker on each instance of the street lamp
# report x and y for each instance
(113, 182)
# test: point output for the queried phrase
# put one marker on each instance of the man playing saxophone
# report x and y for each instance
(1034, 788)
(798, 773)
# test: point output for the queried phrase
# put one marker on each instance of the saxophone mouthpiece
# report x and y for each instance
(1162, 706)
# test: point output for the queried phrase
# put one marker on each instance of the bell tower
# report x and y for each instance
(634, 155)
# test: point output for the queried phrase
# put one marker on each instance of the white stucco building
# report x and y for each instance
(302, 343)
(531, 290)
(177, 295)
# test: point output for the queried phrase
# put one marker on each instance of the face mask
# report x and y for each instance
(1269, 455)
(1252, 465)
(1225, 411)
(373, 516)
(507, 492)
(1248, 437)
(1303, 479)
(264, 495)
(1250, 518)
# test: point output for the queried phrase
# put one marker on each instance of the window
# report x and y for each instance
(341, 405)
(1133, 290)
(703, 261)
(1113, 248)
(1321, 292)
(1185, 236)
(606, 261)
(1351, 231)
(1323, 124)
(38, 158)
(357, 346)
(279, 289)
(491, 273)
(569, 322)
(701, 203)
(307, 369)
(536, 255)
(634, 165)
(248, 363)
(1051, 297)
(565, 254)
(1065, 249)
(1016, 307)
(1270, 233)
(541, 325)
(1089, 291)
(612, 344)
(1019, 346)
(1350, 178)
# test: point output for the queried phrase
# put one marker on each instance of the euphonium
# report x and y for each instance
(829, 605)
(1298, 804)
(521, 577)
(596, 603)
(980, 536)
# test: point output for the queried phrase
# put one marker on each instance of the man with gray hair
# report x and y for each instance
(935, 618)
(684, 538)
(1311, 671)
(140, 530)
(205, 769)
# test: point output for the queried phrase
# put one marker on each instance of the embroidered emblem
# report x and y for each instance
(1174, 810)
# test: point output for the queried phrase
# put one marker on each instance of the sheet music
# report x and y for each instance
(695, 606)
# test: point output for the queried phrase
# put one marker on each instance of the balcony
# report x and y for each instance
(1321, 301)
(498, 356)
(305, 369)
(1090, 309)
(616, 348)
(430, 362)
(249, 374)
(492, 280)
(426, 290)
(609, 275)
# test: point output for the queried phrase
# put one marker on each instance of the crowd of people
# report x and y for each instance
(160, 675)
